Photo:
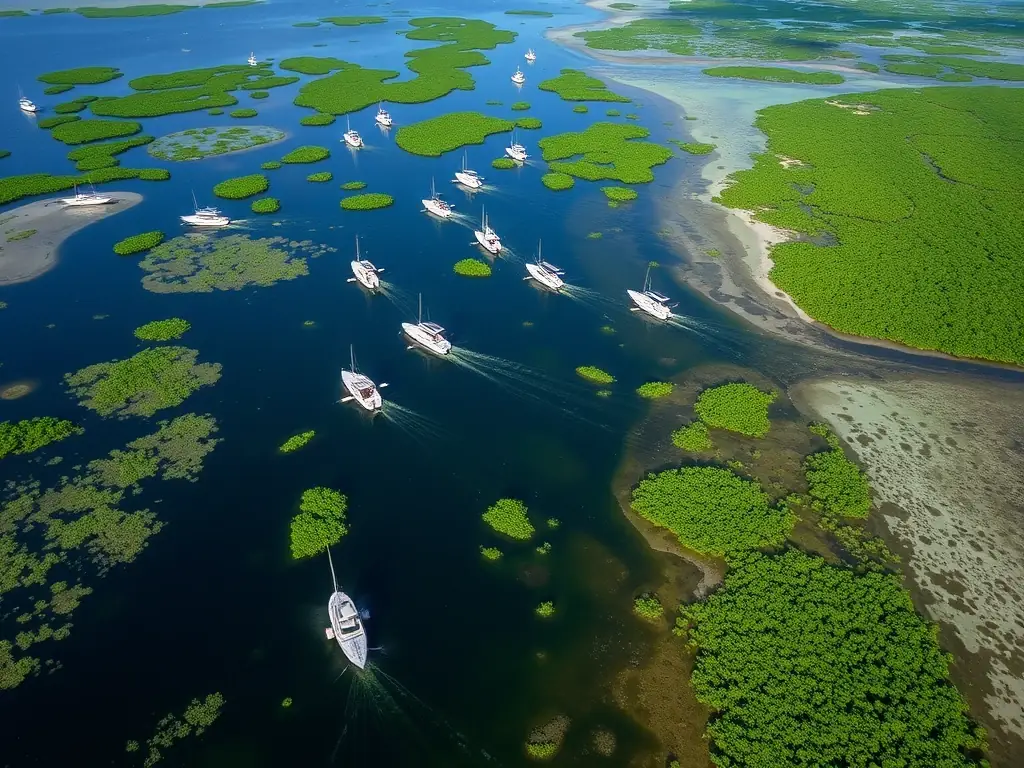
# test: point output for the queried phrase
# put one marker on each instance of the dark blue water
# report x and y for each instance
(216, 603)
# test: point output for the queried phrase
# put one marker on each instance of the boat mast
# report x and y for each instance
(352, 352)
(419, 320)
(538, 251)
(647, 279)
(357, 247)
(194, 203)
(334, 579)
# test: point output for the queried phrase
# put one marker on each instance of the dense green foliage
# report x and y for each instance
(295, 442)
(712, 511)
(52, 122)
(558, 181)
(313, 65)
(520, 106)
(655, 389)
(693, 437)
(545, 610)
(163, 330)
(443, 133)
(672, 35)
(258, 95)
(836, 484)
(508, 517)
(307, 154)
(367, 202)
(581, 109)
(472, 268)
(608, 152)
(917, 199)
(320, 176)
(131, 11)
(504, 163)
(529, 123)
(32, 434)
(266, 205)
(490, 553)
(806, 664)
(317, 119)
(320, 522)
(241, 187)
(594, 374)
(197, 143)
(16, 187)
(138, 243)
(352, 186)
(737, 406)
(648, 607)
(81, 76)
(244, 112)
(95, 156)
(541, 750)
(353, 21)
(53, 90)
(619, 194)
(270, 165)
(198, 715)
(84, 131)
(694, 147)
(24, 234)
(574, 85)
(529, 12)
(153, 379)
(777, 75)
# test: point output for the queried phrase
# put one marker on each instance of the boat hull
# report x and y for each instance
(472, 182)
(197, 221)
(518, 80)
(488, 246)
(554, 282)
(71, 202)
(652, 308)
(426, 340)
(431, 206)
(384, 122)
(519, 157)
(354, 142)
(352, 644)
(350, 381)
(368, 280)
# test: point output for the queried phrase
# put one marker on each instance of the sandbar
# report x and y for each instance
(28, 258)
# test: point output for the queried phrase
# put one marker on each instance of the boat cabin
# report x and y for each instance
(368, 266)
(434, 329)
(348, 620)
(657, 297)
(549, 267)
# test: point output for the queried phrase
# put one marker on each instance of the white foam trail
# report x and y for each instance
(414, 424)
(593, 299)
(401, 298)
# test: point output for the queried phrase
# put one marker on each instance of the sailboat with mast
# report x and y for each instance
(350, 137)
(435, 205)
(515, 150)
(545, 273)
(252, 59)
(428, 335)
(360, 388)
(205, 217)
(653, 303)
(383, 117)
(468, 178)
(486, 236)
(87, 198)
(365, 273)
(346, 625)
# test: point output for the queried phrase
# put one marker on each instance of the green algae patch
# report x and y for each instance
(649, 608)
(84, 131)
(504, 163)
(242, 187)
(619, 194)
(205, 264)
(738, 407)
(16, 187)
(694, 147)
(266, 205)
(472, 268)
(320, 522)
(81, 76)
(352, 21)
(595, 374)
(197, 143)
(438, 70)
(693, 437)
(368, 202)
(608, 151)
(320, 177)
(307, 154)
(652, 390)
(712, 511)
(351, 186)
(437, 135)
(153, 379)
(544, 610)
(777, 75)
(490, 553)
(575, 85)
(199, 715)
(95, 156)
(508, 517)
(18, 438)
(317, 120)
(295, 442)
(138, 243)
(163, 330)
(909, 197)
(558, 181)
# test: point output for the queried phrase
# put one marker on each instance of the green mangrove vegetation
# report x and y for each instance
(270, 165)
(317, 119)
(320, 522)
(242, 187)
(528, 12)
(258, 95)
(648, 607)
(295, 442)
(575, 85)
(545, 610)
(693, 437)
(508, 517)
(197, 143)
(607, 150)
(520, 106)
(490, 553)
(138, 243)
(472, 268)
(777, 75)
(352, 21)
(553, 523)
(16, 187)
(671, 35)
(352, 186)
(320, 176)
(80, 76)
(557, 181)
(153, 379)
(837, 486)
(32, 434)
(503, 163)
(619, 194)
(243, 112)
(437, 135)
(307, 154)
(163, 330)
(95, 156)
(655, 389)
(84, 131)
(594, 374)
(265, 205)
(694, 147)
(738, 407)
(712, 510)
(907, 194)
(367, 202)
(581, 109)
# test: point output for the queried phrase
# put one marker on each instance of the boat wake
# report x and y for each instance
(414, 424)
(592, 299)
(401, 298)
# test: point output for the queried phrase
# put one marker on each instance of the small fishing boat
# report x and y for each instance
(428, 335)
(435, 205)
(651, 302)
(89, 198)
(252, 59)
(530, 55)
(346, 625)
(383, 117)
(360, 388)
(467, 177)
(487, 237)
(545, 273)
(365, 273)
(350, 137)
(205, 217)
(516, 151)
(518, 78)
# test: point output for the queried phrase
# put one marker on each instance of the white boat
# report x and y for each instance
(651, 302)
(545, 273)
(467, 177)
(352, 138)
(428, 335)
(530, 55)
(346, 625)
(383, 117)
(360, 388)
(436, 205)
(90, 198)
(516, 150)
(205, 217)
(26, 104)
(487, 237)
(365, 273)
(518, 78)
(252, 59)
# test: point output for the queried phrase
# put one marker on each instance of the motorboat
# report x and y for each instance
(518, 78)
(360, 388)
(487, 237)
(88, 198)
(468, 178)
(516, 150)
(653, 303)
(383, 117)
(530, 55)
(205, 217)
(352, 138)
(27, 105)
(428, 335)
(346, 625)
(252, 59)
(545, 273)
(365, 273)
(435, 205)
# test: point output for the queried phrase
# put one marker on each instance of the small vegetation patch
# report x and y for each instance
(574, 85)
(520, 105)
(607, 151)
(367, 202)
(836, 485)
(490, 553)
(318, 119)
(321, 176)
(557, 181)
(22, 437)
(24, 234)
(242, 187)
(352, 21)
(84, 131)
(504, 163)
(529, 123)
(258, 95)
(445, 133)
(138, 243)
(352, 186)
(694, 147)
(295, 442)
(472, 268)
(596, 375)
(655, 389)
(619, 194)
(95, 156)
(53, 90)
(693, 437)
(307, 154)
(581, 109)
(197, 143)
(777, 75)
(266, 205)
(270, 165)
(320, 522)
(530, 12)
(243, 112)
(545, 610)
(15, 187)
(648, 607)
(81, 76)
(508, 517)
(738, 407)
